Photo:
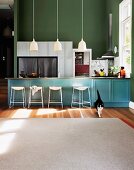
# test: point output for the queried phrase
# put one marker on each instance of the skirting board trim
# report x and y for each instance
(131, 105)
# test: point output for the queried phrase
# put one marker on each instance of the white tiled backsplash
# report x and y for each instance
(99, 64)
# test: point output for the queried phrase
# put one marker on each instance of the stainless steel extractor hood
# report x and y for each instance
(109, 54)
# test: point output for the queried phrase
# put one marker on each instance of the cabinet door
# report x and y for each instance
(104, 87)
(68, 59)
(121, 90)
(6, 57)
(23, 48)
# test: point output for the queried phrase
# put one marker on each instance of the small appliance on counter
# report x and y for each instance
(122, 73)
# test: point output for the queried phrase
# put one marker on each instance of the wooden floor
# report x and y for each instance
(124, 114)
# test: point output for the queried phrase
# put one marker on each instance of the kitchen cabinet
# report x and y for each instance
(120, 90)
(82, 63)
(46, 49)
(113, 91)
(104, 87)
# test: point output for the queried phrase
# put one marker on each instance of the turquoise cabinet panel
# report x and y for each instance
(104, 87)
(121, 90)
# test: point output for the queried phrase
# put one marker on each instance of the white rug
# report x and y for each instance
(66, 144)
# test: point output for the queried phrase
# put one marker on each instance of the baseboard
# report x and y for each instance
(131, 105)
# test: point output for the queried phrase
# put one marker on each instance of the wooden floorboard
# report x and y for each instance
(124, 114)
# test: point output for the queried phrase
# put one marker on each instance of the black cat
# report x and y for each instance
(99, 105)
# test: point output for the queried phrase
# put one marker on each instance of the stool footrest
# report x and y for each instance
(35, 102)
(55, 102)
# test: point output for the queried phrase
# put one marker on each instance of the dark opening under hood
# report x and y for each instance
(108, 54)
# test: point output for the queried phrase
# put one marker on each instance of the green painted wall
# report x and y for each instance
(112, 6)
(69, 22)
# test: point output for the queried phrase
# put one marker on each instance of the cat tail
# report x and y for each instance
(98, 94)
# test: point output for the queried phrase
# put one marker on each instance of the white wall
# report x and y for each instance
(65, 57)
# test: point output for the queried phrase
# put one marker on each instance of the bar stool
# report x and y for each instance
(81, 96)
(13, 96)
(33, 90)
(55, 95)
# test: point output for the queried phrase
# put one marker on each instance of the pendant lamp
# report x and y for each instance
(57, 44)
(33, 44)
(82, 45)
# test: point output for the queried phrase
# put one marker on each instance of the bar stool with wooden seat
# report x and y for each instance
(15, 96)
(32, 92)
(55, 95)
(81, 96)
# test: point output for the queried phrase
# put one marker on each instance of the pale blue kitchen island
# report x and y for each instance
(115, 92)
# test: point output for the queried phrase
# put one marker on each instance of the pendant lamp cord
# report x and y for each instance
(33, 19)
(82, 19)
(57, 17)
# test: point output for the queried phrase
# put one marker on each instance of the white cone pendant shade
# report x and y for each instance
(82, 45)
(33, 45)
(57, 46)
